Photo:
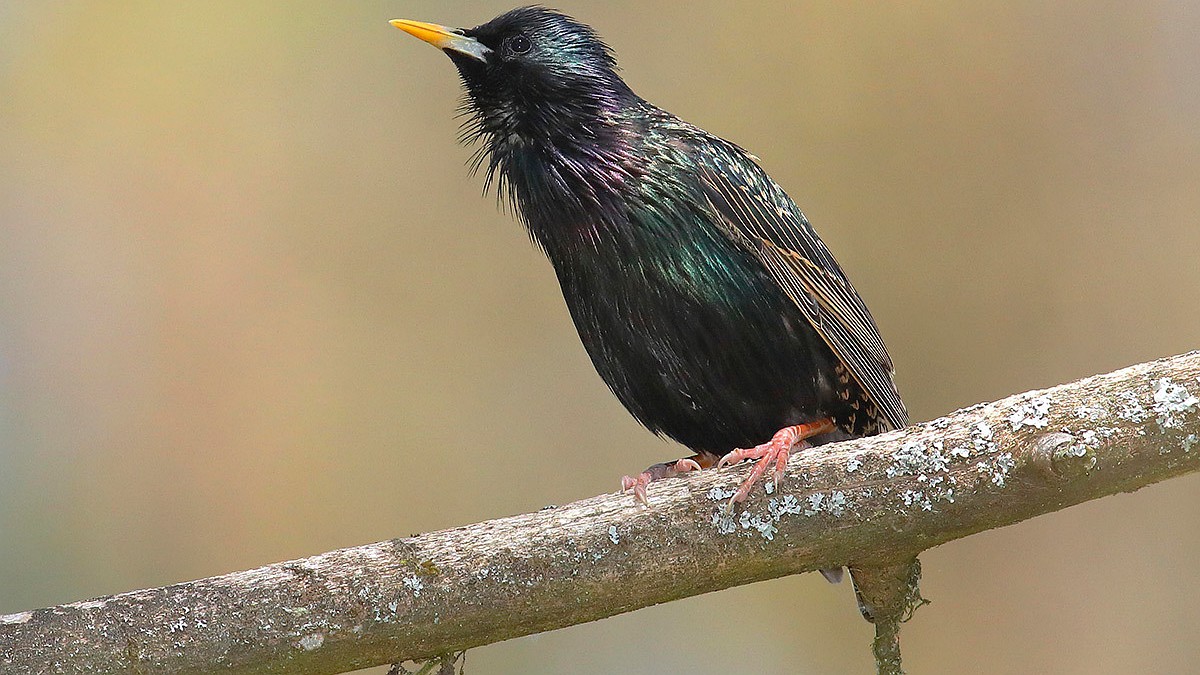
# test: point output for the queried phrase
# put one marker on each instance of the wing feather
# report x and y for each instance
(759, 215)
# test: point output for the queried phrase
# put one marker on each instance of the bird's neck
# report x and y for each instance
(569, 178)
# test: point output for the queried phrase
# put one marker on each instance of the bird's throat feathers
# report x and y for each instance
(568, 158)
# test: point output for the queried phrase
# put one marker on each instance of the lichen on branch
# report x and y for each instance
(871, 503)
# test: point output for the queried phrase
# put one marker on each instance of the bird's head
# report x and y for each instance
(532, 73)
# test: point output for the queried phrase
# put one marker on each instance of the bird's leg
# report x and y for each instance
(698, 461)
(774, 451)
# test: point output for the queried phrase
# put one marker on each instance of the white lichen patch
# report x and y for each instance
(414, 584)
(997, 470)
(311, 641)
(613, 536)
(1172, 402)
(1189, 442)
(933, 489)
(836, 504)
(1091, 413)
(981, 438)
(1090, 438)
(1093, 438)
(719, 494)
(907, 460)
(913, 459)
(946, 493)
(1032, 413)
(1131, 408)
(853, 464)
(1004, 464)
(931, 467)
(916, 497)
(764, 526)
(789, 505)
(722, 519)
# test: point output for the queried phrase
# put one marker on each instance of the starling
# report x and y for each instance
(704, 298)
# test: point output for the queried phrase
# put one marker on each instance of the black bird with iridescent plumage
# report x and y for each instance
(704, 298)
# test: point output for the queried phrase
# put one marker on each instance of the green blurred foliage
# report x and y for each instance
(253, 308)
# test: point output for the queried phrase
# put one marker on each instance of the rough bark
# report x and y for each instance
(873, 503)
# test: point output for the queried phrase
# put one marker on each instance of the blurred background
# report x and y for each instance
(250, 298)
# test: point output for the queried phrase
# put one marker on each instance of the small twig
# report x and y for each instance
(887, 597)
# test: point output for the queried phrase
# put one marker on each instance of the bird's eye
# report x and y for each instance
(519, 44)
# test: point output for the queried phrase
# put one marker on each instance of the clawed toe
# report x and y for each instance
(774, 452)
(638, 485)
(739, 455)
(697, 462)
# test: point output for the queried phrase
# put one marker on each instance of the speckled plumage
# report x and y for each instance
(703, 296)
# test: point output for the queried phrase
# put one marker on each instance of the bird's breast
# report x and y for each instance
(690, 333)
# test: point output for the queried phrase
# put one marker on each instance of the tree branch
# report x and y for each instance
(874, 502)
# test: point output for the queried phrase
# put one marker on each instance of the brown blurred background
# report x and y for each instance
(253, 308)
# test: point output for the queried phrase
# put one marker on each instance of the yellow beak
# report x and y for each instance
(443, 38)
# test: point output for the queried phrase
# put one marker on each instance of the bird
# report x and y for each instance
(704, 298)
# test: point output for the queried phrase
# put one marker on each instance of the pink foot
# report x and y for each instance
(775, 451)
(658, 471)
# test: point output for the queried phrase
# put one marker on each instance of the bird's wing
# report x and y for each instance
(758, 214)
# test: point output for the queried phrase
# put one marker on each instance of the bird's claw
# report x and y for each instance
(638, 483)
(775, 451)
